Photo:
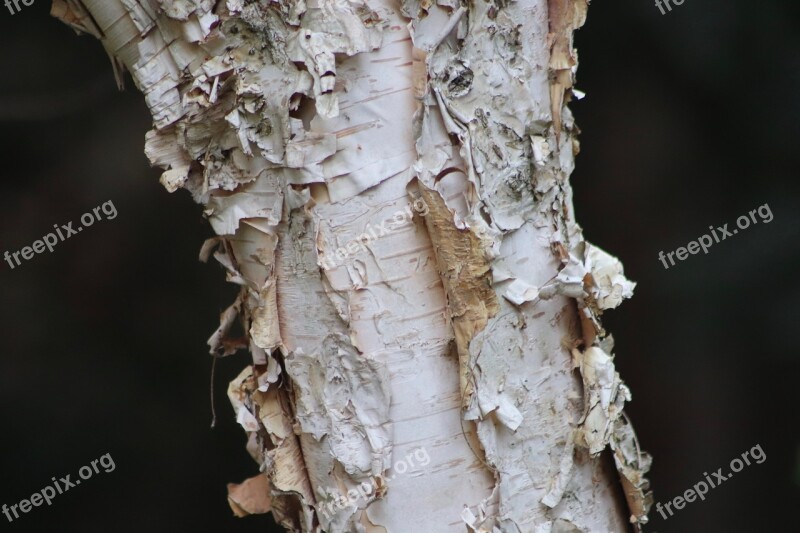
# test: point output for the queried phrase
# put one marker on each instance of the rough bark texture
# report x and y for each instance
(389, 184)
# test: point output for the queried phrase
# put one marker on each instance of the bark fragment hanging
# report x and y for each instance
(465, 273)
(565, 17)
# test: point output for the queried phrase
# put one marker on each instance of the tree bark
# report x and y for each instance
(389, 187)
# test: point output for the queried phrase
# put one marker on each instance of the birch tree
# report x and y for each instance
(388, 184)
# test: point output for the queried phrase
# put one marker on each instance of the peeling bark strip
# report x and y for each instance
(300, 125)
(465, 273)
(565, 17)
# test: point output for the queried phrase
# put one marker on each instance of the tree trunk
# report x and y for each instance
(389, 187)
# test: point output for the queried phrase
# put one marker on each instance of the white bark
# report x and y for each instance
(472, 331)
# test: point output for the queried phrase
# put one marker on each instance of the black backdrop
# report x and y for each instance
(689, 122)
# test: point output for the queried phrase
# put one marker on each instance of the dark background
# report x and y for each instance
(690, 121)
